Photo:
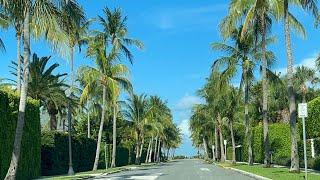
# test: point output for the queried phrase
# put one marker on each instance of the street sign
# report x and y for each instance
(302, 110)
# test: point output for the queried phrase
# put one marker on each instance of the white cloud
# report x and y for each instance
(186, 102)
(184, 127)
(307, 62)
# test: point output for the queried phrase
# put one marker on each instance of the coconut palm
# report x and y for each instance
(256, 15)
(302, 76)
(114, 36)
(136, 111)
(41, 19)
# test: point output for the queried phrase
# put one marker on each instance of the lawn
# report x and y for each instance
(90, 174)
(272, 173)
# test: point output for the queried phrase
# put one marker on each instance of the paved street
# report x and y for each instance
(179, 170)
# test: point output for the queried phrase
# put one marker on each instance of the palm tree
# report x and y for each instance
(114, 34)
(242, 52)
(257, 14)
(136, 111)
(46, 87)
(301, 76)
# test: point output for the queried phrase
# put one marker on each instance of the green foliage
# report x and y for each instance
(316, 164)
(279, 134)
(313, 119)
(54, 153)
(29, 164)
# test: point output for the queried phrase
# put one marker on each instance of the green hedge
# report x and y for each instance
(280, 143)
(29, 164)
(54, 153)
(313, 119)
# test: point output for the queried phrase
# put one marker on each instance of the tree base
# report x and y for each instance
(70, 171)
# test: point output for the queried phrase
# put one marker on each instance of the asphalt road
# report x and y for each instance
(178, 170)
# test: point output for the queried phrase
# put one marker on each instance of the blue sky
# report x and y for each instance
(177, 55)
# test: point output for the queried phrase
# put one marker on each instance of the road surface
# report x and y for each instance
(178, 170)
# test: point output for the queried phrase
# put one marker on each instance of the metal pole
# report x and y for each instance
(305, 148)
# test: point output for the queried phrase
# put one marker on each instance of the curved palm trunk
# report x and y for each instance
(18, 39)
(222, 157)
(96, 161)
(150, 153)
(159, 150)
(114, 136)
(233, 144)
(216, 142)
(137, 161)
(53, 121)
(292, 102)
(141, 148)
(213, 152)
(205, 148)
(155, 150)
(247, 120)
(88, 121)
(12, 171)
(265, 98)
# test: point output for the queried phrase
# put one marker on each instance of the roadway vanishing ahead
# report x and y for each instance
(178, 170)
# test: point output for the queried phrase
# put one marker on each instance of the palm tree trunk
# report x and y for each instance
(88, 121)
(53, 121)
(247, 120)
(137, 161)
(205, 148)
(148, 151)
(265, 97)
(216, 141)
(222, 157)
(151, 148)
(292, 102)
(233, 144)
(159, 148)
(12, 171)
(96, 161)
(114, 136)
(18, 39)
(141, 148)
(168, 151)
(155, 150)
(213, 153)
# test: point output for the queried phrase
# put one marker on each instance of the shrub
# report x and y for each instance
(55, 157)
(29, 164)
(313, 119)
(316, 164)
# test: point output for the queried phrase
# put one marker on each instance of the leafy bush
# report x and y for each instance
(313, 119)
(316, 164)
(280, 143)
(29, 164)
(54, 153)
(55, 159)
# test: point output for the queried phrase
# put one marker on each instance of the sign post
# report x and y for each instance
(303, 113)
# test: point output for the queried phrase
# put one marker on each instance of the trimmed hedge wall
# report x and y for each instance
(54, 153)
(313, 119)
(29, 164)
(280, 143)
(55, 159)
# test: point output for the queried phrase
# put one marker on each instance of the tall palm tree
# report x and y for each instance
(257, 15)
(290, 20)
(114, 36)
(136, 111)
(112, 78)
(47, 87)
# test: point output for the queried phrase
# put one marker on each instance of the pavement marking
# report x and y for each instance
(204, 169)
(148, 177)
